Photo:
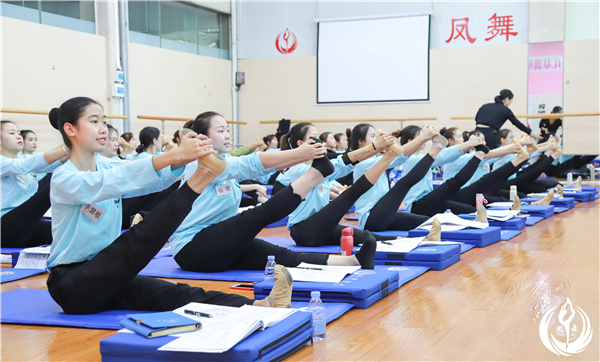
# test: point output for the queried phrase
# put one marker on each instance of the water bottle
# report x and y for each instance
(270, 268)
(316, 308)
(479, 199)
(513, 193)
(347, 242)
(592, 172)
(570, 178)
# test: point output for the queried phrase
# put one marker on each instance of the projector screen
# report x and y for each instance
(375, 60)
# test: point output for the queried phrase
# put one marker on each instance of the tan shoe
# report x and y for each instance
(560, 189)
(440, 139)
(516, 204)
(213, 163)
(481, 214)
(546, 200)
(436, 231)
(282, 288)
(136, 219)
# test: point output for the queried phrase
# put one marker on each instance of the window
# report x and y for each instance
(179, 26)
(74, 15)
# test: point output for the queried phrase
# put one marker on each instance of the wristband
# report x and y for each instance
(372, 144)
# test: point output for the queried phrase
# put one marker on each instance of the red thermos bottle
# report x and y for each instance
(347, 241)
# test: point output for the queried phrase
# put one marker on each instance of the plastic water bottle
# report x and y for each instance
(513, 193)
(570, 178)
(347, 242)
(270, 267)
(316, 308)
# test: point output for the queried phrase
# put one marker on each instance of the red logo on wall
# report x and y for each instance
(284, 44)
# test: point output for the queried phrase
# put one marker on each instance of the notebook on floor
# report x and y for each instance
(274, 343)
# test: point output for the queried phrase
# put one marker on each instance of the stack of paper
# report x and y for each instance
(321, 273)
(33, 258)
(406, 245)
(451, 222)
(501, 204)
(225, 328)
(541, 195)
(500, 215)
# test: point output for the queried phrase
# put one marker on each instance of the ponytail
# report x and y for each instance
(147, 137)
(297, 133)
(505, 93)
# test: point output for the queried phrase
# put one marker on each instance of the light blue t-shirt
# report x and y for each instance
(501, 161)
(451, 169)
(425, 186)
(220, 200)
(365, 203)
(76, 236)
(318, 197)
(284, 178)
(265, 179)
(19, 178)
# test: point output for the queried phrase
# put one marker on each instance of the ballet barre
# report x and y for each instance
(543, 115)
(359, 120)
(45, 113)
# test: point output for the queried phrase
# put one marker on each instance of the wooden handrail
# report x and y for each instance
(544, 115)
(45, 113)
(180, 119)
(360, 120)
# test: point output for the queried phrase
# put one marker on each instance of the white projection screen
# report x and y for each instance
(374, 60)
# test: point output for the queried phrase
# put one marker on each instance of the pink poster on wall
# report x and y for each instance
(545, 79)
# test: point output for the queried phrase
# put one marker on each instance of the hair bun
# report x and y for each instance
(348, 133)
(53, 117)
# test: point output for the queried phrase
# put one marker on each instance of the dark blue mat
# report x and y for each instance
(400, 233)
(290, 244)
(9, 275)
(567, 202)
(36, 307)
(509, 234)
(10, 250)
(544, 211)
(272, 344)
(560, 209)
(477, 237)
(532, 220)
(168, 268)
(433, 265)
(282, 222)
(516, 223)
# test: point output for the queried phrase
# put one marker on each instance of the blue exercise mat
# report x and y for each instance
(9, 275)
(433, 265)
(516, 223)
(568, 202)
(362, 288)
(477, 237)
(10, 250)
(36, 306)
(422, 253)
(291, 244)
(560, 209)
(509, 234)
(532, 220)
(168, 268)
(272, 344)
(582, 196)
(397, 233)
(544, 211)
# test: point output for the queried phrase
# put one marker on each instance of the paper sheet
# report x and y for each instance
(451, 222)
(321, 273)
(501, 204)
(33, 258)
(500, 215)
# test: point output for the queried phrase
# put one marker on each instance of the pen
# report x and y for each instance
(309, 268)
(199, 314)
(386, 243)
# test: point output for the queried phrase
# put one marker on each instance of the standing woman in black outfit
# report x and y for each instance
(491, 117)
(550, 126)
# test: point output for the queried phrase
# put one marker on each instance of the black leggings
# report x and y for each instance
(438, 200)
(525, 179)
(143, 204)
(23, 226)
(277, 186)
(231, 243)
(109, 280)
(574, 164)
(385, 216)
(490, 136)
(488, 185)
(323, 227)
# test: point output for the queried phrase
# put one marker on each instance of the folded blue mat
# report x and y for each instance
(582, 196)
(432, 265)
(560, 209)
(10, 250)
(516, 223)
(290, 244)
(362, 288)
(36, 306)
(272, 344)
(168, 268)
(477, 237)
(534, 210)
(509, 234)
(532, 220)
(568, 202)
(397, 233)
(422, 253)
(9, 275)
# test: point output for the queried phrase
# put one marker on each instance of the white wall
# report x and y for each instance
(43, 66)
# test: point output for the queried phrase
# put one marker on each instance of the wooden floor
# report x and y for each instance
(487, 306)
